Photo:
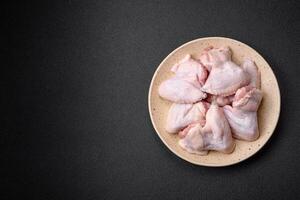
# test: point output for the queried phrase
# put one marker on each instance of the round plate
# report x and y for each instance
(268, 112)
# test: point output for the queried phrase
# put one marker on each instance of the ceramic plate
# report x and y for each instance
(268, 112)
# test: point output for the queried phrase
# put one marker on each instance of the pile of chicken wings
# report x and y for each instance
(214, 101)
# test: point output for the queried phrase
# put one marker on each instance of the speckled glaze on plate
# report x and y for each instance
(268, 112)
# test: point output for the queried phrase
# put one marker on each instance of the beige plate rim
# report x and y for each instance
(162, 139)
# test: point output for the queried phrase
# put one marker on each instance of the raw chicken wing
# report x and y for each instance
(181, 90)
(250, 67)
(181, 115)
(212, 57)
(215, 135)
(189, 66)
(225, 76)
(242, 116)
(185, 87)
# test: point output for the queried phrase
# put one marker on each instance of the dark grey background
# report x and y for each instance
(75, 122)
